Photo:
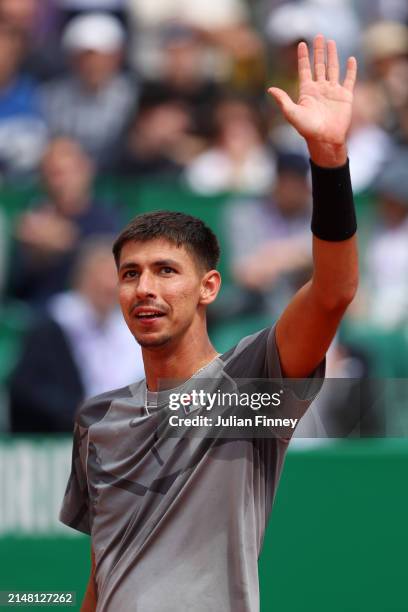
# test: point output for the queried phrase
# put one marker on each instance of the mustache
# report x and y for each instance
(147, 304)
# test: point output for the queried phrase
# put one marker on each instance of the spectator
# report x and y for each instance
(94, 103)
(184, 76)
(159, 142)
(79, 348)
(22, 129)
(239, 159)
(384, 294)
(368, 143)
(48, 236)
(269, 246)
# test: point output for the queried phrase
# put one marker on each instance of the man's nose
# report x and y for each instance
(146, 285)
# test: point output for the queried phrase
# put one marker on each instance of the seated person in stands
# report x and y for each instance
(270, 251)
(94, 102)
(159, 140)
(184, 75)
(48, 236)
(383, 297)
(72, 351)
(172, 122)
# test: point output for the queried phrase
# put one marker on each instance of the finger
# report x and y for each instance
(319, 58)
(333, 69)
(287, 106)
(351, 74)
(305, 71)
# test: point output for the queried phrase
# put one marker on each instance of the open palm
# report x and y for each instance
(323, 111)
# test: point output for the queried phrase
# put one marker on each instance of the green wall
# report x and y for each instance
(337, 540)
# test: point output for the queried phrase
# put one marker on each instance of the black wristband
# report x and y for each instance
(334, 215)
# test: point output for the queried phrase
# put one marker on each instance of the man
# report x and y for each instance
(70, 353)
(385, 299)
(272, 261)
(49, 234)
(177, 523)
(95, 93)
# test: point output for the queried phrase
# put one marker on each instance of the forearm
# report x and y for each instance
(335, 250)
(89, 602)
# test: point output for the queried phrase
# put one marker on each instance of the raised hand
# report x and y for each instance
(322, 114)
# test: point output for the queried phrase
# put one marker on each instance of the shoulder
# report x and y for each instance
(94, 409)
(245, 344)
(251, 357)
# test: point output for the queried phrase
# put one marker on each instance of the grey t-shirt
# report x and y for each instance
(177, 523)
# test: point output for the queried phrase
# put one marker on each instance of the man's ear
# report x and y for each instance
(210, 286)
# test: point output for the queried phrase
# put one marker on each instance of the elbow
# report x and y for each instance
(338, 299)
(345, 299)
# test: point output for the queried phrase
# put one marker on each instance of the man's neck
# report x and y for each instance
(176, 364)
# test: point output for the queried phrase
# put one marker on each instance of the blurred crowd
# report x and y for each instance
(173, 92)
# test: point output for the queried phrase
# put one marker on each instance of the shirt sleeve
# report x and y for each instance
(304, 389)
(298, 394)
(257, 357)
(75, 506)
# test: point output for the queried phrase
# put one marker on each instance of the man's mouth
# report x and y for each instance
(148, 314)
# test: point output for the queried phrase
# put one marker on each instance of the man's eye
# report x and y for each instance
(130, 274)
(167, 270)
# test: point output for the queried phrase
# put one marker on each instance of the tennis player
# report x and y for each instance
(177, 522)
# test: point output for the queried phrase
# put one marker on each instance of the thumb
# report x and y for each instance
(287, 106)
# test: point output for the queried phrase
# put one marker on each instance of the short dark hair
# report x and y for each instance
(176, 227)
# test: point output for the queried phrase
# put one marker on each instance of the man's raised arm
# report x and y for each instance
(322, 116)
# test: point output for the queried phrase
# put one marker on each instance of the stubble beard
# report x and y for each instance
(153, 343)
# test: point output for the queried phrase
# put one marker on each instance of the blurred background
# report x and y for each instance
(110, 108)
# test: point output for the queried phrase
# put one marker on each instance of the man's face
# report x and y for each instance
(67, 175)
(161, 291)
(11, 53)
(98, 283)
(19, 13)
(96, 69)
